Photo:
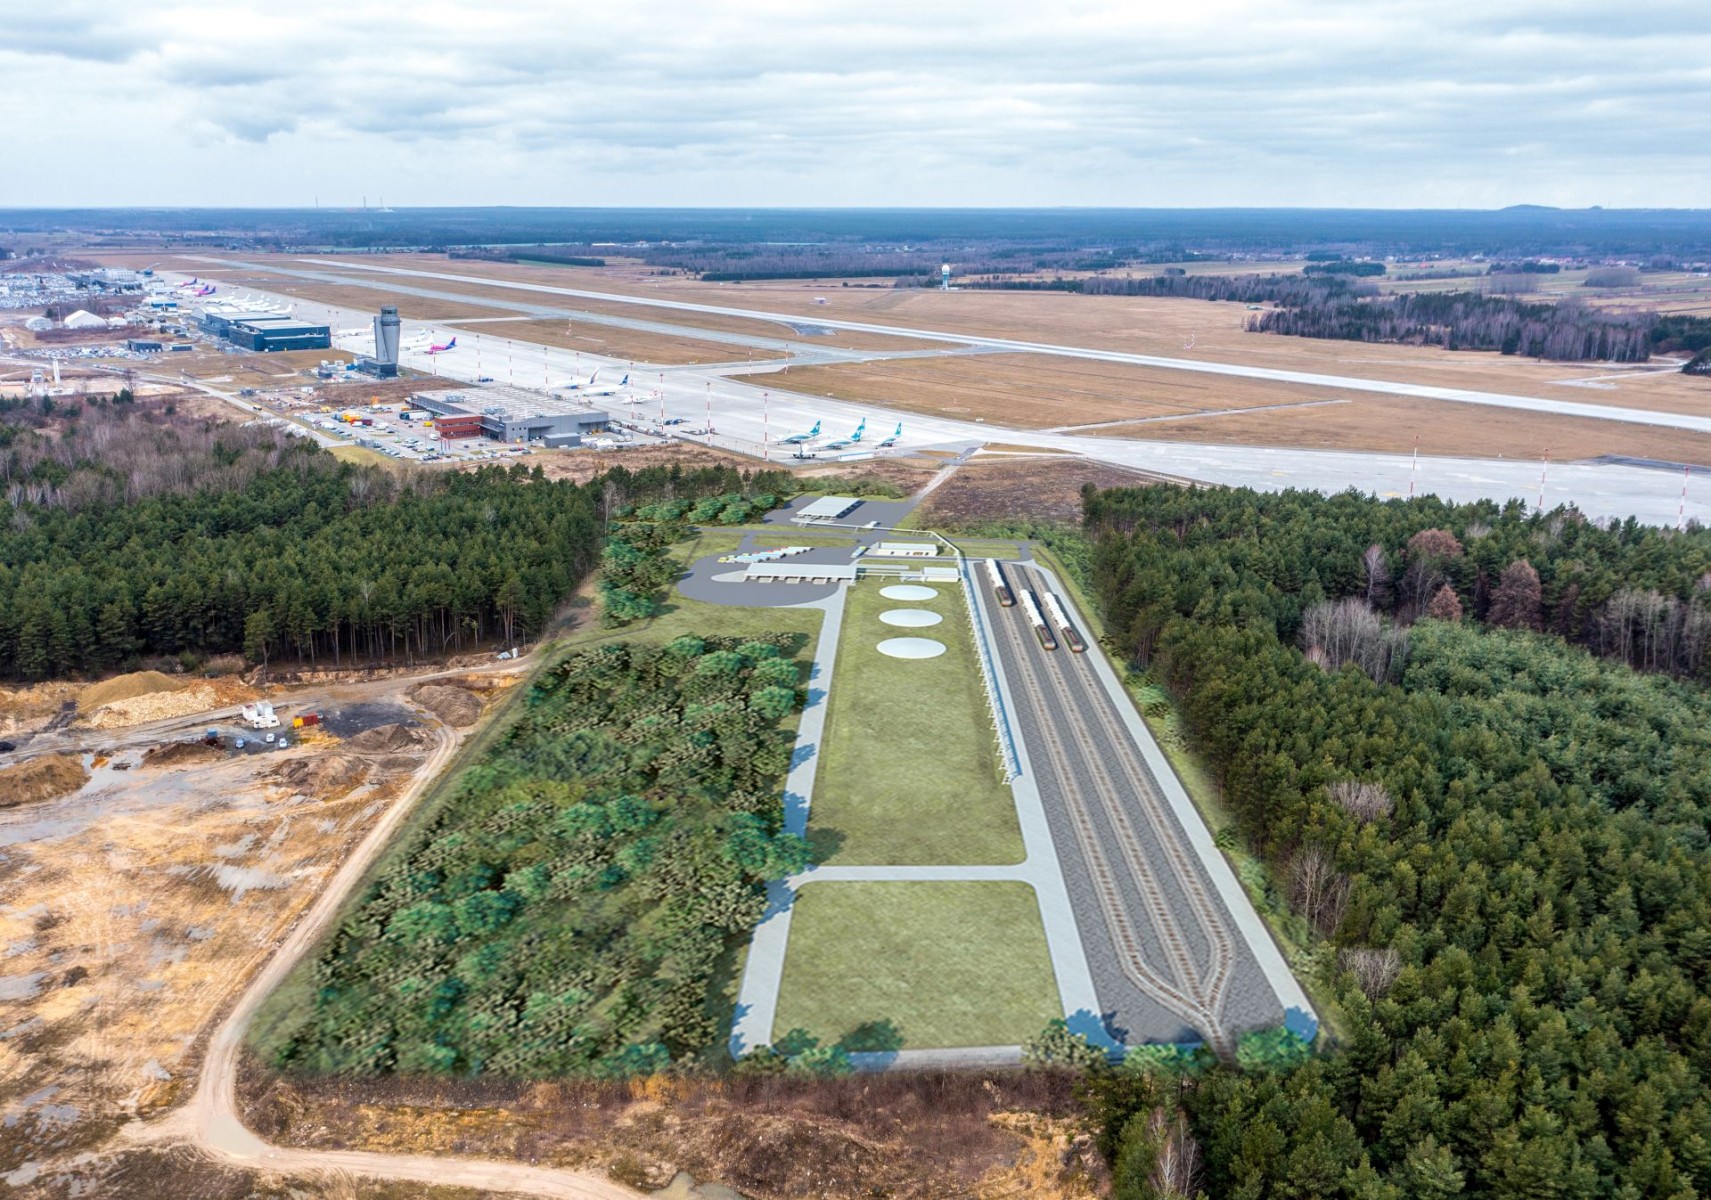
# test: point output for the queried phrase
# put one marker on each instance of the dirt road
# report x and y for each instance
(211, 1120)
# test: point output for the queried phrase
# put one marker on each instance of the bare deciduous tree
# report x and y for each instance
(1374, 970)
(1517, 601)
(1377, 576)
(1334, 633)
(1176, 1169)
(1317, 889)
(1361, 799)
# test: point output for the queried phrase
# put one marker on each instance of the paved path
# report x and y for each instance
(757, 1002)
(757, 996)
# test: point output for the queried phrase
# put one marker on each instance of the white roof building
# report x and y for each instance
(85, 320)
(827, 508)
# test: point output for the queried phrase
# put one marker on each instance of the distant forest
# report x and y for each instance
(949, 235)
(1353, 310)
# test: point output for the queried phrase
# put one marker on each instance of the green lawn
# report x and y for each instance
(948, 963)
(909, 769)
(988, 548)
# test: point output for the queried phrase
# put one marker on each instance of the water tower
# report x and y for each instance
(945, 276)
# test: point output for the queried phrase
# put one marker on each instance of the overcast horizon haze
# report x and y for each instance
(664, 104)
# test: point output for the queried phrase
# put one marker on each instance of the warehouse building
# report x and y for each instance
(267, 332)
(827, 510)
(512, 415)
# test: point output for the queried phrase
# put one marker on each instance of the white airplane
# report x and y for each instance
(895, 434)
(797, 439)
(855, 437)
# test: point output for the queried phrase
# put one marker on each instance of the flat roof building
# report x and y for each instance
(512, 415)
(267, 332)
(827, 509)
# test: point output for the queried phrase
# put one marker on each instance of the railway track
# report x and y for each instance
(1209, 915)
(1099, 771)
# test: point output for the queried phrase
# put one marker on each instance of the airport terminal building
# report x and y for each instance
(511, 415)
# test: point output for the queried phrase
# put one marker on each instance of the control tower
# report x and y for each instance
(388, 331)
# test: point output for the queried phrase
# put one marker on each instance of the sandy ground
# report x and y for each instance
(132, 910)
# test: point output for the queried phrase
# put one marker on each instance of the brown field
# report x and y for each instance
(1384, 423)
(1047, 490)
(1033, 391)
(910, 1136)
(614, 341)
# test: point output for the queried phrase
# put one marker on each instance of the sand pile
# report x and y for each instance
(127, 687)
(41, 779)
(324, 777)
(452, 705)
(179, 699)
(387, 739)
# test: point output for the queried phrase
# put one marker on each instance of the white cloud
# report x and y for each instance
(873, 102)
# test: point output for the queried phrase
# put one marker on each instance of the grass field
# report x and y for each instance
(909, 769)
(987, 548)
(948, 963)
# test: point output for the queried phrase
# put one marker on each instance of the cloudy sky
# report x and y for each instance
(1393, 103)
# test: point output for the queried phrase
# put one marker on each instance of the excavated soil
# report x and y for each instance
(177, 753)
(387, 739)
(453, 705)
(41, 779)
(326, 777)
(179, 700)
(128, 687)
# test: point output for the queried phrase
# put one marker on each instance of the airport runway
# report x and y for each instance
(1567, 408)
(753, 416)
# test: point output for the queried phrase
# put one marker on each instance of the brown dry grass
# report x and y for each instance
(612, 341)
(1034, 489)
(1384, 423)
(908, 1136)
(374, 286)
(582, 465)
(1033, 391)
(45, 778)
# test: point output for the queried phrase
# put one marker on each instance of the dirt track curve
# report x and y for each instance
(211, 1121)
